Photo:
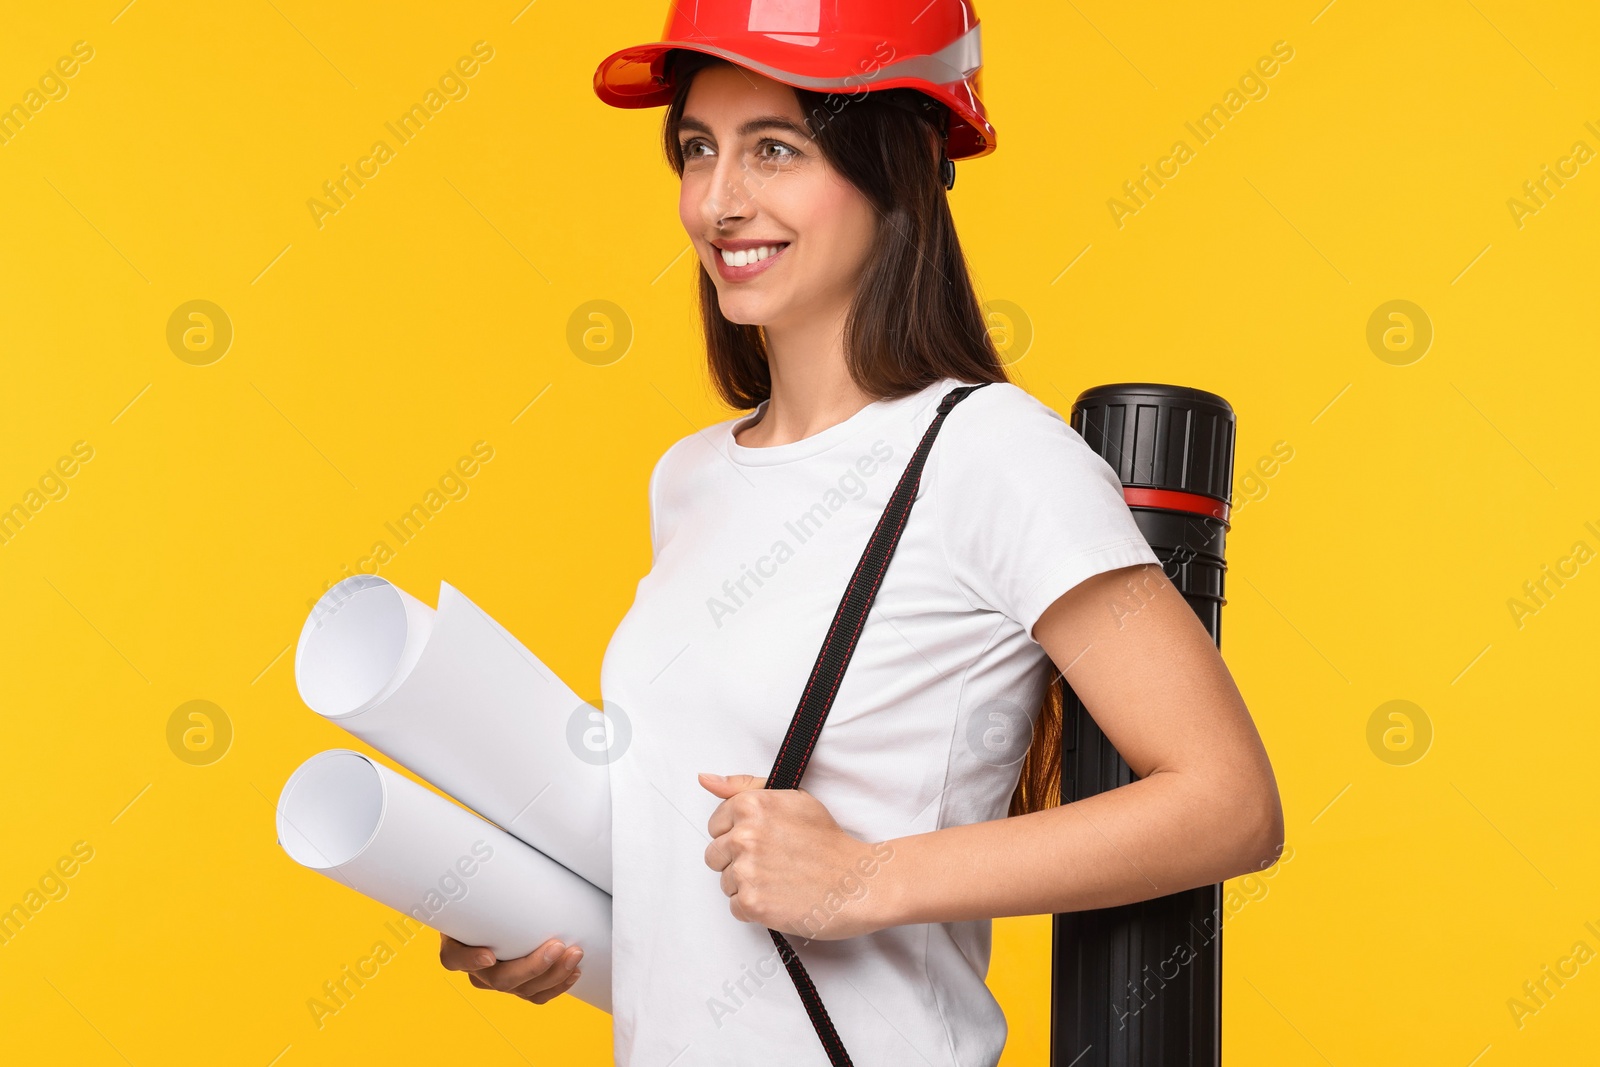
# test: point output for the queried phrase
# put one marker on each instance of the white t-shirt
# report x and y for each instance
(752, 550)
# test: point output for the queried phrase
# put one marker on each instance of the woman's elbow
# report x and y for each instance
(1263, 843)
(1245, 827)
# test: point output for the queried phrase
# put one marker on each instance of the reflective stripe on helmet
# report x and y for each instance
(954, 62)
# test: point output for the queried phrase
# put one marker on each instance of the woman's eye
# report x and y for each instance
(767, 150)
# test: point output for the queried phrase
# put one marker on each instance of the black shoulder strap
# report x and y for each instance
(833, 658)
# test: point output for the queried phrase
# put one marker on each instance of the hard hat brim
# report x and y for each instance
(634, 77)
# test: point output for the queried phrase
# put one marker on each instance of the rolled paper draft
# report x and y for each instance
(452, 696)
(383, 835)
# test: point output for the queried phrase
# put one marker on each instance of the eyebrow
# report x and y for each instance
(760, 122)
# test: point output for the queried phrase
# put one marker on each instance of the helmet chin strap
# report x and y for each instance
(947, 166)
(917, 103)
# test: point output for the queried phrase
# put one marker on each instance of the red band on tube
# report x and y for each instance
(1172, 500)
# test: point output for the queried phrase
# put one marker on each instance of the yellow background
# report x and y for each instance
(430, 312)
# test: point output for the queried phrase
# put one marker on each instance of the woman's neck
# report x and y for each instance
(811, 387)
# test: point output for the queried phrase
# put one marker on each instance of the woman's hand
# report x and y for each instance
(787, 865)
(540, 976)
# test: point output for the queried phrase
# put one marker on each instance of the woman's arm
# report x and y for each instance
(1205, 807)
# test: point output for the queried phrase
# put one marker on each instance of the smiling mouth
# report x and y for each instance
(746, 257)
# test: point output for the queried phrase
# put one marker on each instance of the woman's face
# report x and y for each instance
(749, 164)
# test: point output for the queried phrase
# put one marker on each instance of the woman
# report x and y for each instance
(837, 305)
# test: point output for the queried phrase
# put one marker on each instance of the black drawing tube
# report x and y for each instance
(1141, 985)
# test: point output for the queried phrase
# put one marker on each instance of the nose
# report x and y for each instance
(728, 194)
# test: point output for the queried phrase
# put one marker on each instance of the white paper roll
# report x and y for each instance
(455, 698)
(383, 835)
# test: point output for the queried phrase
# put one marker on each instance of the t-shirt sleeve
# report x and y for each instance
(653, 495)
(1026, 508)
(650, 493)
(667, 494)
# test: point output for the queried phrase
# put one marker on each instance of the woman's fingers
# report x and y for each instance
(536, 967)
(550, 994)
(458, 957)
(540, 976)
(555, 980)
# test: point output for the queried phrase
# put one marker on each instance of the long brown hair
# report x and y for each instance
(915, 318)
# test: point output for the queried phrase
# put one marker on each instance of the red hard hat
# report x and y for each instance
(826, 46)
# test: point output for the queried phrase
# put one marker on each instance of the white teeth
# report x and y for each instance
(748, 256)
